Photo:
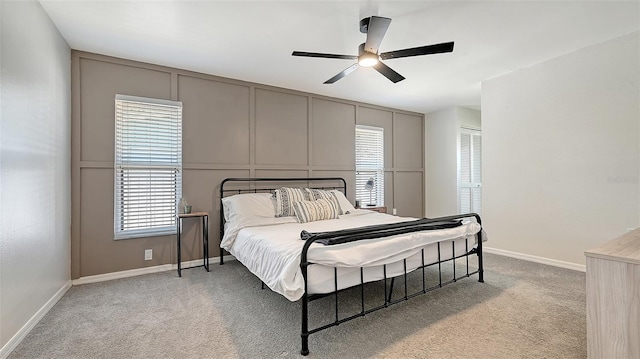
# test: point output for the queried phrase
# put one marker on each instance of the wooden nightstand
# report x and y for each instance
(376, 209)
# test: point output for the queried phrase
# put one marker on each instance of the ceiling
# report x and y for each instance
(253, 40)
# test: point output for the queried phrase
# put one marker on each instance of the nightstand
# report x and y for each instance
(375, 209)
(205, 237)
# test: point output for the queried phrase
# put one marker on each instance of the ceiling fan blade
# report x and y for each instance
(342, 74)
(418, 51)
(375, 33)
(326, 56)
(388, 72)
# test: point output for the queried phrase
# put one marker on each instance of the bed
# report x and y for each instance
(328, 246)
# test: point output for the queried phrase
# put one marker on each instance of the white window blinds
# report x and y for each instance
(370, 164)
(470, 162)
(148, 166)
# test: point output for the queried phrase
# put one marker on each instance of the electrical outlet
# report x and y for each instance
(394, 211)
(148, 254)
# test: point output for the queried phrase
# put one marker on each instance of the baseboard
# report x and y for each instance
(530, 258)
(146, 270)
(22, 333)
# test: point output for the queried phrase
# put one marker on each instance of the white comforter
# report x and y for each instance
(271, 248)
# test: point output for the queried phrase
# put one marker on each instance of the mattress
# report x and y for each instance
(271, 249)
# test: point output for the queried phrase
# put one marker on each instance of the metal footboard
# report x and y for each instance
(388, 288)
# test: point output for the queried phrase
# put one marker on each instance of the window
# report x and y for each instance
(148, 166)
(470, 180)
(370, 164)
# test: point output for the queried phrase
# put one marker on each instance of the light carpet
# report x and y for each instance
(523, 310)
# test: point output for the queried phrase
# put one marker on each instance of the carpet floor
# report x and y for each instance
(523, 310)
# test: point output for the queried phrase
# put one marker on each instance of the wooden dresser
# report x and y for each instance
(613, 298)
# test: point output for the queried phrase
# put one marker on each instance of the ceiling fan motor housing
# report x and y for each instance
(361, 49)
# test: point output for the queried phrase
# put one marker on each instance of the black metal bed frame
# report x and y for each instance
(388, 289)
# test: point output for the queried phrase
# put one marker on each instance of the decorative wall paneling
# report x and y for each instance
(231, 128)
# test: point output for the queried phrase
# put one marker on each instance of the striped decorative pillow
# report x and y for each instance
(285, 196)
(318, 210)
(330, 196)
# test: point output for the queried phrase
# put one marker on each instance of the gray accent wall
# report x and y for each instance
(231, 128)
(35, 180)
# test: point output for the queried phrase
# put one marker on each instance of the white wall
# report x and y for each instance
(35, 202)
(441, 147)
(561, 152)
(441, 156)
(469, 118)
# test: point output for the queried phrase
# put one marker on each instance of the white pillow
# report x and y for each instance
(345, 205)
(248, 205)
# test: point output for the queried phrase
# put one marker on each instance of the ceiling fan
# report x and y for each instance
(375, 27)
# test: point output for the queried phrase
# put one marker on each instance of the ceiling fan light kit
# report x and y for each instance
(368, 59)
(376, 27)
